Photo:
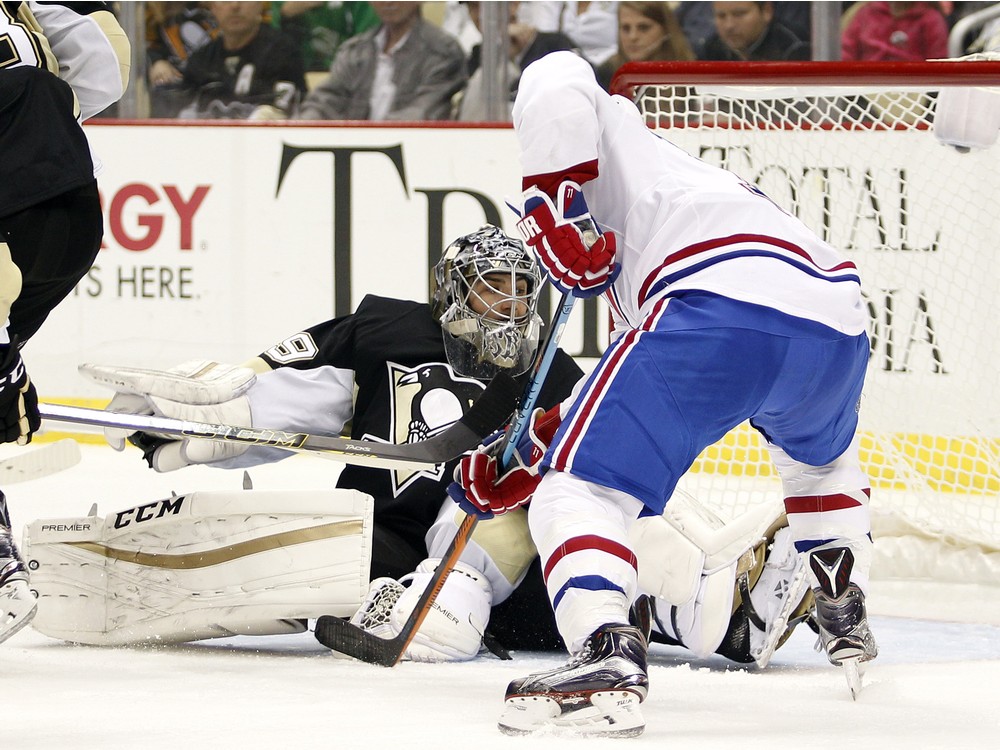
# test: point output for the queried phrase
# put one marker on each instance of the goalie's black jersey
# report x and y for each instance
(43, 150)
(404, 389)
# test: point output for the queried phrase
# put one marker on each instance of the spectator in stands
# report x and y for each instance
(526, 44)
(173, 32)
(593, 26)
(646, 31)
(748, 31)
(698, 22)
(406, 69)
(895, 31)
(457, 22)
(319, 28)
(249, 71)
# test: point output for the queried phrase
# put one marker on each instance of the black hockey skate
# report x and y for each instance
(840, 613)
(597, 693)
(17, 603)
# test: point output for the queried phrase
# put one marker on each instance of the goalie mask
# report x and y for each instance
(485, 297)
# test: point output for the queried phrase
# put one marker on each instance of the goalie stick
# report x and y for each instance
(347, 638)
(486, 415)
(40, 462)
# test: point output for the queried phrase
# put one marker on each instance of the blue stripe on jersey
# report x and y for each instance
(665, 281)
(587, 583)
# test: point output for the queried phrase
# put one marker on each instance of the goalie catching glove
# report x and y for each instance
(196, 391)
(480, 490)
(576, 257)
(454, 626)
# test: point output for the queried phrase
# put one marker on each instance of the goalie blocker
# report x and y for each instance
(202, 565)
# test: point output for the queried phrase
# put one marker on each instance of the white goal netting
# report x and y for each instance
(851, 151)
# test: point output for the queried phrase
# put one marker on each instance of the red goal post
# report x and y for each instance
(850, 149)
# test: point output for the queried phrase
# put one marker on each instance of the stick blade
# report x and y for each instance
(40, 462)
(347, 638)
(340, 635)
(493, 408)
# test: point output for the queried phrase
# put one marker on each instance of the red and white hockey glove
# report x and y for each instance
(576, 257)
(480, 490)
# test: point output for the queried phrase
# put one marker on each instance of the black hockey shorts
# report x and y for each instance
(54, 243)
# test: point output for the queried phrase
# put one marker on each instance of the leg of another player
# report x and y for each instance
(17, 603)
(827, 510)
(52, 244)
(599, 691)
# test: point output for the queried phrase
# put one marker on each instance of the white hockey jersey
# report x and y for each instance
(681, 223)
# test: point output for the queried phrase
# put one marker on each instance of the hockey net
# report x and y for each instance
(850, 150)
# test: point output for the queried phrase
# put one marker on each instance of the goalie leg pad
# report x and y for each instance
(670, 564)
(200, 566)
(688, 541)
(701, 624)
(452, 630)
(690, 560)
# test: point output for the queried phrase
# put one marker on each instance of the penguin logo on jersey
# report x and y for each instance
(425, 400)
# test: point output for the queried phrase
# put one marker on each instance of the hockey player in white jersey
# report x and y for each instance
(60, 63)
(726, 309)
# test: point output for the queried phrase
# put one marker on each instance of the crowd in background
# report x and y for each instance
(422, 61)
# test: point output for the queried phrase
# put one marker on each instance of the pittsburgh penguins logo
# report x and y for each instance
(425, 401)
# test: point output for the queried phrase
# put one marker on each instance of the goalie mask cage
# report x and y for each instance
(849, 148)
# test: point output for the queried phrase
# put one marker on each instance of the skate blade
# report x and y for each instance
(609, 713)
(17, 608)
(853, 671)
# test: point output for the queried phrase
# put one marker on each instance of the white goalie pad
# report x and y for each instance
(689, 559)
(670, 564)
(202, 565)
(675, 550)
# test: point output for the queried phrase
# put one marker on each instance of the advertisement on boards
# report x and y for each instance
(221, 240)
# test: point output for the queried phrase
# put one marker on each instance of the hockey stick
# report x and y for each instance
(347, 638)
(41, 462)
(486, 415)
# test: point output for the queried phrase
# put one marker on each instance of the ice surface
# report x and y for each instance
(934, 685)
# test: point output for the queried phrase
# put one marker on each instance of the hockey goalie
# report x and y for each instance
(209, 564)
